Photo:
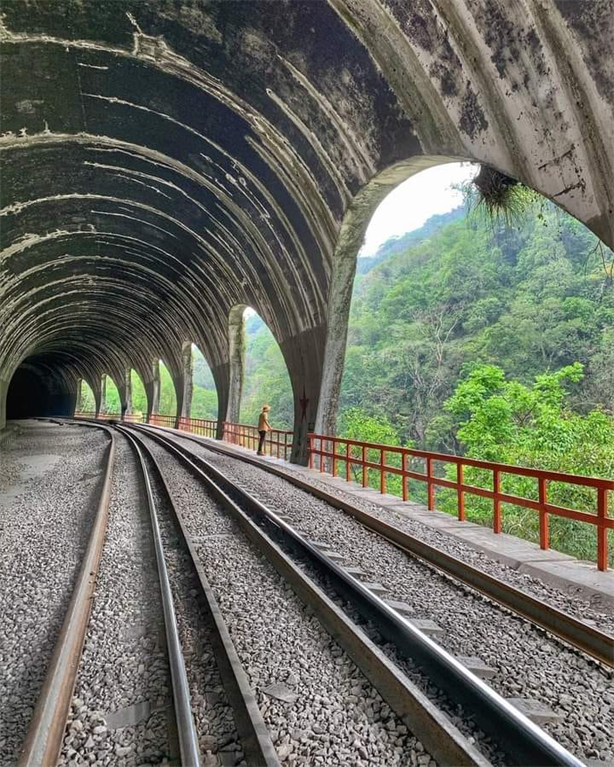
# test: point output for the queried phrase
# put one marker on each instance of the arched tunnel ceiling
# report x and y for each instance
(163, 161)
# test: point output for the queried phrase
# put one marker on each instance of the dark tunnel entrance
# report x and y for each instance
(32, 393)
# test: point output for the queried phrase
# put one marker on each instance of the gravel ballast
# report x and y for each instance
(528, 662)
(331, 715)
(47, 505)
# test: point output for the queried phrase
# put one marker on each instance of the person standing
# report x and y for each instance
(263, 427)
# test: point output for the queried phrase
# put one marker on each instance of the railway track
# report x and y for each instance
(299, 559)
(48, 726)
(574, 632)
(43, 741)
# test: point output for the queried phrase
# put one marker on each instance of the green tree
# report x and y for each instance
(504, 421)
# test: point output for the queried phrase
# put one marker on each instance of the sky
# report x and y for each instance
(411, 203)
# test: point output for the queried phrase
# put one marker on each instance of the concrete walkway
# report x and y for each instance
(573, 576)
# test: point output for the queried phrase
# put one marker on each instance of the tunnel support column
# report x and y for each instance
(96, 390)
(128, 391)
(79, 396)
(186, 382)
(4, 387)
(304, 357)
(236, 374)
(339, 303)
(152, 390)
(102, 404)
(221, 376)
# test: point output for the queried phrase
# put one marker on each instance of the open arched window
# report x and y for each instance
(204, 391)
(266, 376)
(87, 402)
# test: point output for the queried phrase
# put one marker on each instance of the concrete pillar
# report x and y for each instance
(178, 384)
(304, 355)
(152, 389)
(187, 376)
(78, 399)
(236, 338)
(221, 376)
(4, 387)
(97, 399)
(101, 407)
(120, 383)
(128, 390)
(339, 304)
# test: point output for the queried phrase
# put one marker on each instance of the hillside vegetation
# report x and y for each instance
(476, 338)
(472, 337)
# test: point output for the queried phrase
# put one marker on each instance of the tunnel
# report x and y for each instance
(167, 162)
(33, 392)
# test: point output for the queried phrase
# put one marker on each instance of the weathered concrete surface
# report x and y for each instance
(166, 162)
(4, 387)
(187, 376)
(232, 385)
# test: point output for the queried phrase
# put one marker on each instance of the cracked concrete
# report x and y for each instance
(168, 162)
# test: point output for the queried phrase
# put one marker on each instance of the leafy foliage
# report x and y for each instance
(506, 422)
(490, 340)
(266, 378)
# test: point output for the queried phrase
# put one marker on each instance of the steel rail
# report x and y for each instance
(569, 629)
(186, 730)
(520, 738)
(255, 737)
(45, 735)
(439, 736)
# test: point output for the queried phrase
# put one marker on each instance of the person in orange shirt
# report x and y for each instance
(263, 427)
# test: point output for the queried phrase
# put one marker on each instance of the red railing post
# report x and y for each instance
(404, 477)
(334, 457)
(459, 491)
(544, 535)
(348, 455)
(365, 474)
(602, 533)
(496, 510)
(430, 485)
(382, 478)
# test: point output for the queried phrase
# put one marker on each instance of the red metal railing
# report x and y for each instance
(356, 454)
(278, 442)
(129, 417)
(199, 426)
(159, 419)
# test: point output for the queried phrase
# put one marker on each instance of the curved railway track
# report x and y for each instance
(521, 740)
(44, 739)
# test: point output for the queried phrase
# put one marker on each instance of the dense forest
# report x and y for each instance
(470, 336)
(485, 338)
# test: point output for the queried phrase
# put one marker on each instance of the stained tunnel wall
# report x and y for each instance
(30, 394)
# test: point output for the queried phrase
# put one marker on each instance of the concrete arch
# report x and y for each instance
(197, 352)
(104, 385)
(351, 237)
(165, 217)
(80, 395)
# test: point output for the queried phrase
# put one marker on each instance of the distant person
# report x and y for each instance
(263, 427)
(124, 408)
